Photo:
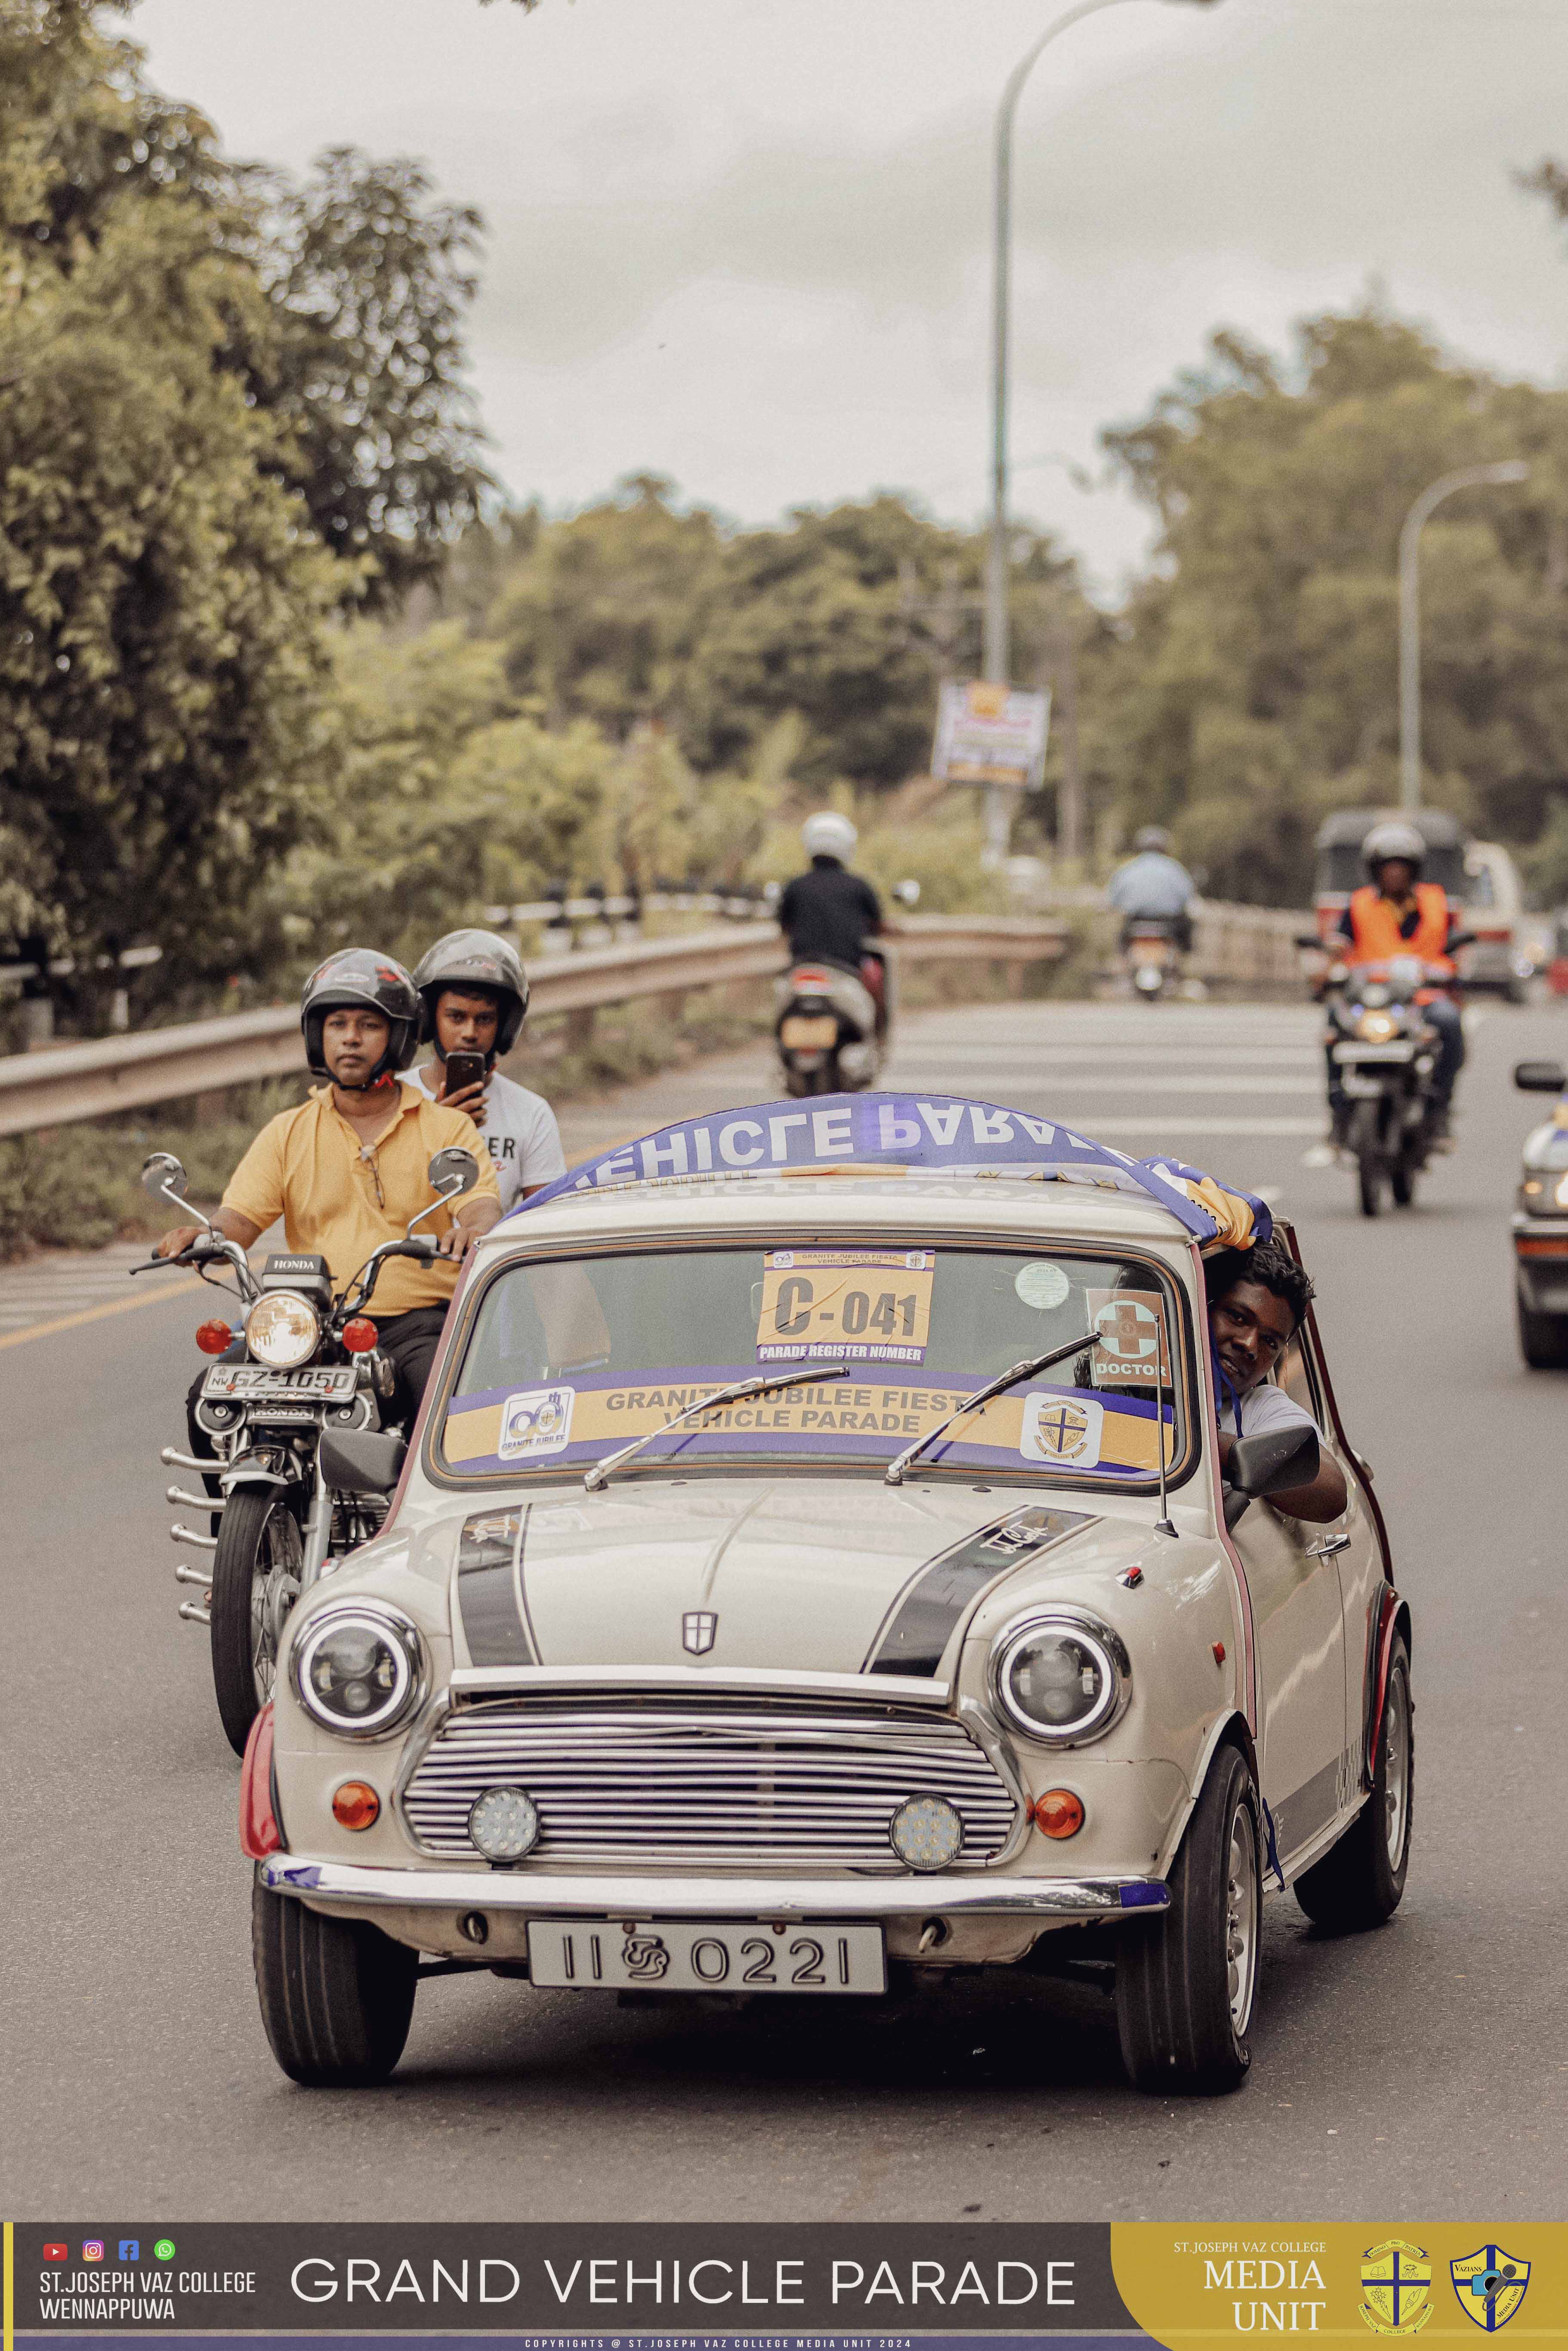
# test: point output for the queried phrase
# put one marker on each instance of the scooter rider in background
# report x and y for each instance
(1397, 913)
(829, 913)
(347, 1169)
(1154, 885)
(474, 994)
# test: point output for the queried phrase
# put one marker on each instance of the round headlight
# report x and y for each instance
(1377, 1028)
(1060, 1678)
(504, 1823)
(358, 1671)
(283, 1330)
(926, 1831)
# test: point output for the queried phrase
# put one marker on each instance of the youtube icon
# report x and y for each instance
(56, 2252)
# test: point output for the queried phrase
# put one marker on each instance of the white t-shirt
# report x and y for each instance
(519, 1128)
(1265, 1406)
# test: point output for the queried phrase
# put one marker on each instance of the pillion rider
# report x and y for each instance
(347, 1170)
(475, 993)
(830, 915)
(1257, 1300)
(1395, 913)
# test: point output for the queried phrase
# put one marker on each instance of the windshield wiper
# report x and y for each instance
(893, 1475)
(600, 1474)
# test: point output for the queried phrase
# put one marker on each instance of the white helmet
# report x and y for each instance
(828, 834)
(1392, 838)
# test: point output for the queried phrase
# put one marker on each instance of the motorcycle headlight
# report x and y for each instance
(1377, 1028)
(283, 1330)
(1060, 1677)
(359, 1669)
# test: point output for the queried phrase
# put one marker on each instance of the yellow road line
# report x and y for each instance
(98, 1313)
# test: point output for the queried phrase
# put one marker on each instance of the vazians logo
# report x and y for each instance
(1491, 2284)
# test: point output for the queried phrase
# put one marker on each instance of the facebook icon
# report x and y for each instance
(131, 2249)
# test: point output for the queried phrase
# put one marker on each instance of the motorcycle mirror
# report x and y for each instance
(163, 1173)
(1457, 939)
(1309, 939)
(1539, 1077)
(453, 1172)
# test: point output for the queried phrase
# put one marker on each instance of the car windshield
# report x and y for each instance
(568, 1360)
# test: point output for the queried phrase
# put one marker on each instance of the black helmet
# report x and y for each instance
(361, 976)
(480, 961)
(1392, 838)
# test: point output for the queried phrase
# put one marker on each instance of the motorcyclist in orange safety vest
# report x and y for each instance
(1397, 913)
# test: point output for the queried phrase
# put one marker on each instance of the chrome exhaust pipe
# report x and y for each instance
(172, 1458)
(192, 1615)
(195, 1501)
(178, 1533)
(186, 1573)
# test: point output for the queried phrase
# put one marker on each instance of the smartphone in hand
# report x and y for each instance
(463, 1071)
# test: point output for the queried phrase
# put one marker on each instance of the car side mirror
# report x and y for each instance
(363, 1460)
(163, 1173)
(1270, 1463)
(453, 1172)
(1530, 1077)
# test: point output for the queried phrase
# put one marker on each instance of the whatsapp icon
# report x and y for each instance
(163, 2251)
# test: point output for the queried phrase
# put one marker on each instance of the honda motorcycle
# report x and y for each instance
(304, 1364)
(1384, 1052)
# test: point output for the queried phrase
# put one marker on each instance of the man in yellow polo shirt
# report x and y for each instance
(347, 1170)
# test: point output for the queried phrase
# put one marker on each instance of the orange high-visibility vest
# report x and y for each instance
(1374, 927)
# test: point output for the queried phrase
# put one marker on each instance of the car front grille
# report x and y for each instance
(640, 1787)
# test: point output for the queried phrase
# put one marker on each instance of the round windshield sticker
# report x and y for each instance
(1041, 1283)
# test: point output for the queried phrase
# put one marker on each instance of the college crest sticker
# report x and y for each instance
(1395, 2288)
(1490, 2285)
(1061, 1429)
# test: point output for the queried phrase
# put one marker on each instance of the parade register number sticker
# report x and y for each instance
(852, 1305)
(705, 1955)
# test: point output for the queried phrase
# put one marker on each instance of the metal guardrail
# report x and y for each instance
(107, 1074)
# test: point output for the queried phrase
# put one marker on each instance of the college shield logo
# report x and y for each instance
(1395, 2288)
(1490, 2285)
(699, 1630)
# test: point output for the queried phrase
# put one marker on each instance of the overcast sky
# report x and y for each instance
(744, 242)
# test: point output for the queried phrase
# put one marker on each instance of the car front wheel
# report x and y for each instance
(1185, 1981)
(337, 1996)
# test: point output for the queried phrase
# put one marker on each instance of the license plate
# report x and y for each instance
(1374, 1052)
(700, 1955)
(813, 1031)
(252, 1382)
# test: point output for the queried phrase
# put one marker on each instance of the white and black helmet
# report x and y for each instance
(480, 961)
(828, 834)
(360, 976)
(1390, 839)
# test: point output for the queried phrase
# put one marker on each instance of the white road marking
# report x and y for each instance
(1227, 1082)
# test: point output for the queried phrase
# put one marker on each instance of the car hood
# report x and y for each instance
(817, 1575)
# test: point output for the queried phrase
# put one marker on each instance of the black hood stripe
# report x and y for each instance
(490, 1594)
(913, 1637)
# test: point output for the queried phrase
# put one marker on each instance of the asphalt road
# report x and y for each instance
(1416, 2073)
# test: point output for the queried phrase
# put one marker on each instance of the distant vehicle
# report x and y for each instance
(1494, 911)
(1540, 1226)
(1557, 953)
(1340, 869)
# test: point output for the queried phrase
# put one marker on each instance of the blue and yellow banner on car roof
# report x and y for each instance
(946, 1134)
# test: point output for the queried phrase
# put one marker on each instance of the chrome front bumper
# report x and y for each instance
(575, 1896)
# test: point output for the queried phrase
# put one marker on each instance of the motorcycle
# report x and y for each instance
(826, 1030)
(303, 1367)
(1385, 1051)
(1150, 954)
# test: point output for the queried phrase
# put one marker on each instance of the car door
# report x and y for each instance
(1365, 1568)
(1299, 1625)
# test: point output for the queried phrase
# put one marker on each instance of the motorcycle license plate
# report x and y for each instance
(1395, 1053)
(704, 1955)
(253, 1384)
(808, 1031)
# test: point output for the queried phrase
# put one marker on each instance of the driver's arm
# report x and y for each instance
(229, 1222)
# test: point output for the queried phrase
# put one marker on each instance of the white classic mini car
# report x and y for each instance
(812, 1569)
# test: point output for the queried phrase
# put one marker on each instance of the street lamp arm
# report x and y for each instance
(1468, 478)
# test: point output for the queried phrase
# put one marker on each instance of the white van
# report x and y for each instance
(1494, 911)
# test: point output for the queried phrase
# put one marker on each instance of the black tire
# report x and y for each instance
(1359, 1881)
(1369, 1183)
(1402, 1179)
(337, 1996)
(1362, 1138)
(255, 1577)
(1182, 2010)
(1542, 1338)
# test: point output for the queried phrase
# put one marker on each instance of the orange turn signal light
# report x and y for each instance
(213, 1337)
(355, 1805)
(360, 1335)
(1059, 1813)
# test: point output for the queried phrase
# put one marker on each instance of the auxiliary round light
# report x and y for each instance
(356, 1805)
(1059, 1813)
(283, 1330)
(1059, 1679)
(504, 1823)
(357, 1670)
(926, 1833)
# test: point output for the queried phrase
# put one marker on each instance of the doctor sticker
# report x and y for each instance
(1131, 1349)
(1064, 1430)
(536, 1420)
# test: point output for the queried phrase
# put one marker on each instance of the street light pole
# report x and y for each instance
(996, 661)
(1512, 469)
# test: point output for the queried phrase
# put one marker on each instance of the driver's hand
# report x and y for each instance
(457, 1243)
(470, 1099)
(180, 1239)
